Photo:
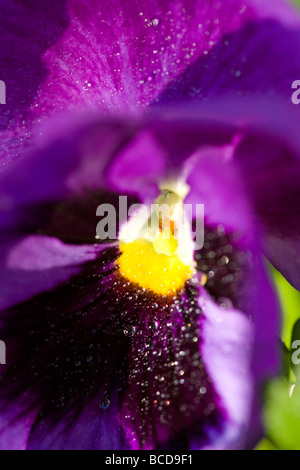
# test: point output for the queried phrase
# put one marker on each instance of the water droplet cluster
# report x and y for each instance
(101, 339)
(226, 267)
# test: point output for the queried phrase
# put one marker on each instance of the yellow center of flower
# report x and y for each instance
(155, 266)
(156, 259)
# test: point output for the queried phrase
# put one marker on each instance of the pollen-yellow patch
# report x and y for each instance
(154, 265)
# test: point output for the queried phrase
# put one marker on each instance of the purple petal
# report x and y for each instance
(163, 404)
(99, 338)
(112, 57)
(57, 335)
(276, 196)
(267, 147)
(28, 30)
(132, 170)
(240, 66)
(266, 358)
(103, 156)
(271, 170)
(35, 264)
(215, 180)
(89, 303)
(14, 432)
(226, 349)
(143, 41)
(241, 354)
(66, 164)
(101, 431)
(216, 183)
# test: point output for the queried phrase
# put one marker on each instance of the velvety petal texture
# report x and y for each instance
(101, 342)
(105, 54)
(227, 345)
(35, 264)
(104, 355)
(122, 97)
(238, 67)
(276, 194)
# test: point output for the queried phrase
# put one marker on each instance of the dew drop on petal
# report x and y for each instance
(155, 22)
(105, 403)
(225, 303)
(153, 325)
(129, 331)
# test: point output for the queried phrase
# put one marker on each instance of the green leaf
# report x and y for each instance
(285, 361)
(296, 331)
(282, 415)
(290, 304)
(295, 350)
(265, 445)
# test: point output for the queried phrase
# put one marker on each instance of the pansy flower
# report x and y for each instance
(142, 341)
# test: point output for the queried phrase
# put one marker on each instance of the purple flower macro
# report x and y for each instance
(189, 99)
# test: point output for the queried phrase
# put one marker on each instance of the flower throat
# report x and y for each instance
(160, 257)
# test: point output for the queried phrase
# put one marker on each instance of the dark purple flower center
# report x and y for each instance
(99, 336)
